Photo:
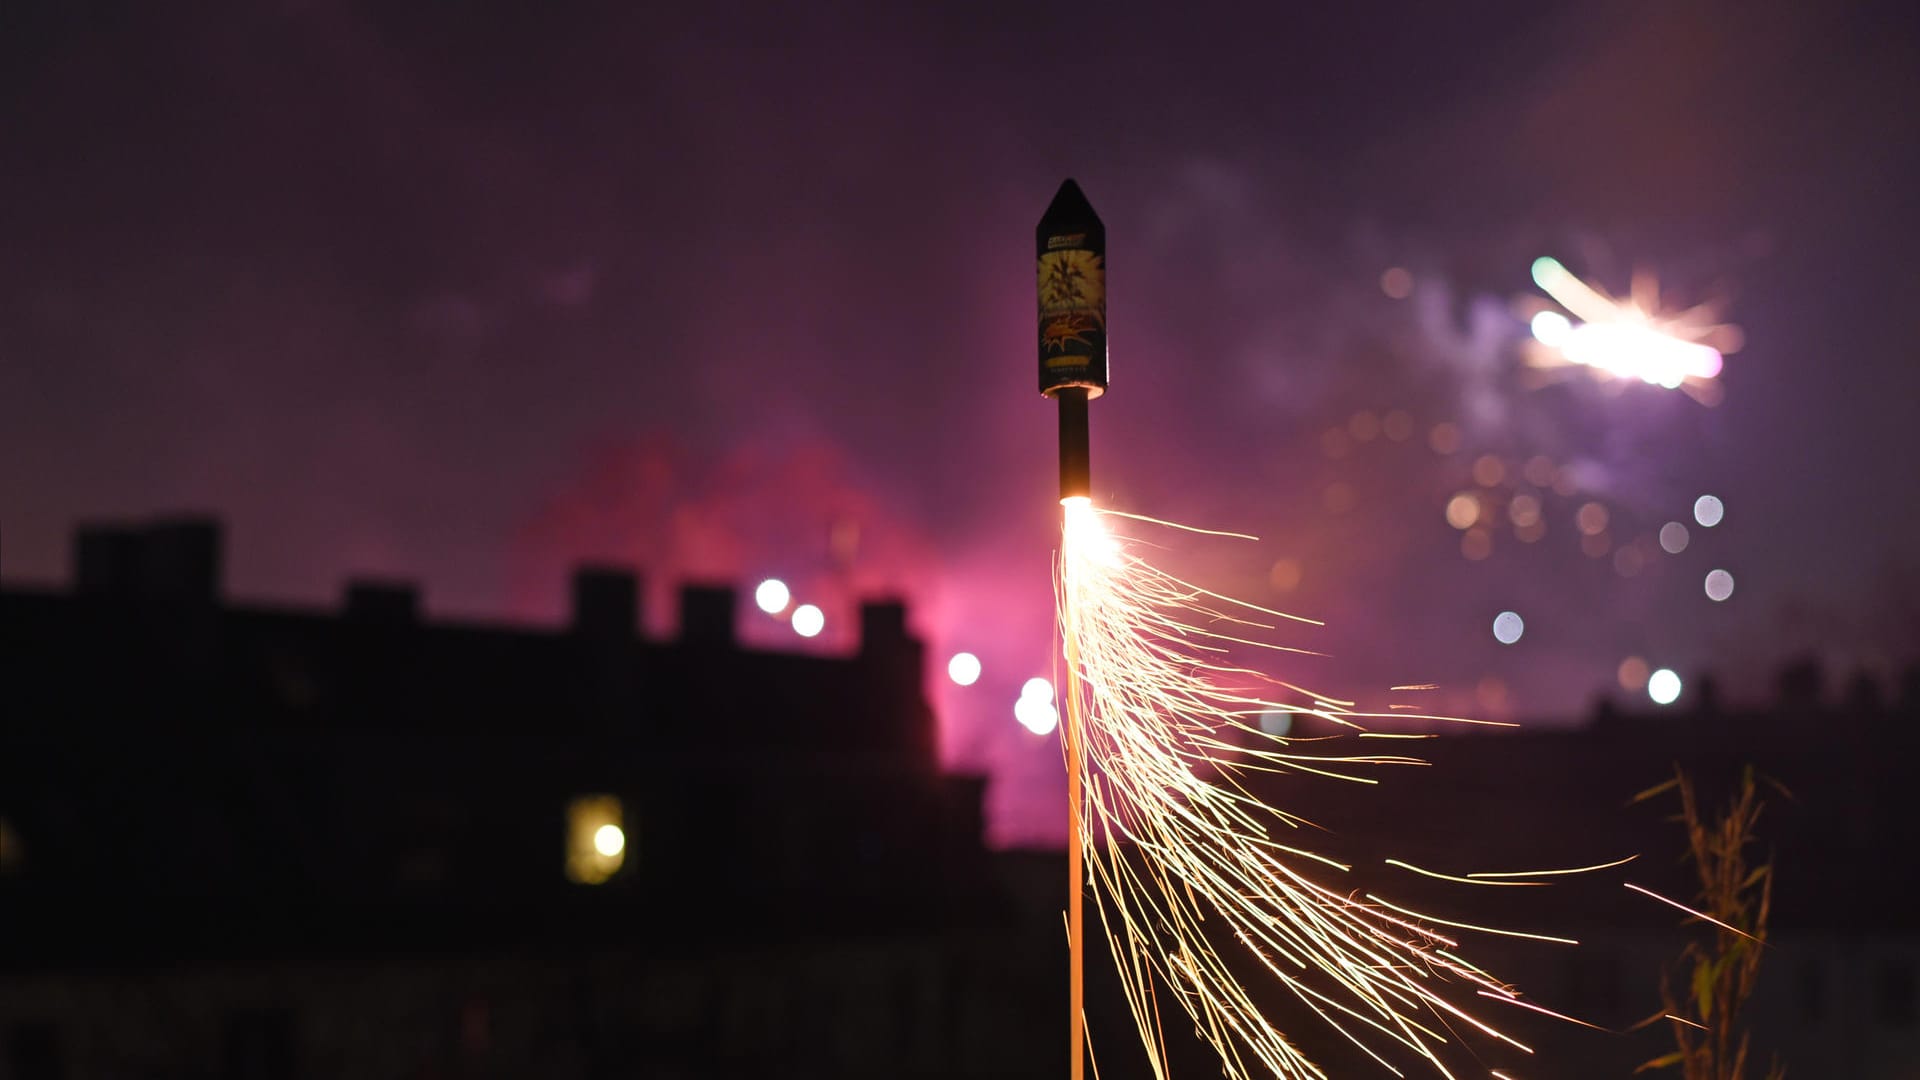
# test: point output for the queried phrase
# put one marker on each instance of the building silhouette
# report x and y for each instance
(242, 841)
(247, 842)
(1836, 995)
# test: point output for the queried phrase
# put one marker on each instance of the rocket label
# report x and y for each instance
(1072, 282)
(1073, 308)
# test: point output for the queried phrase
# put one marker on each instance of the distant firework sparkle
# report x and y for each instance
(1630, 339)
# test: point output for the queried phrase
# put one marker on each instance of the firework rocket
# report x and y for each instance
(1199, 878)
(1070, 245)
(1070, 248)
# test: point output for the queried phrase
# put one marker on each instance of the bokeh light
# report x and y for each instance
(1285, 575)
(772, 596)
(1632, 673)
(1491, 694)
(1673, 538)
(1539, 471)
(1489, 470)
(1596, 545)
(1476, 544)
(1591, 519)
(1444, 438)
(1037, 689)
(1550, 328)
(808, 620)
(1398, 425)
(1036, 715)
(964, 668)
(1719, 585)
(1508, 626)
(1628, 561)
(1663, 686)
(1276, 722)
(1396, 282)
(1523, 511)
(1463, 510)
(1364, 426)
(1708, 510)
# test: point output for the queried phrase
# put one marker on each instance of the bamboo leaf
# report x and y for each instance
(1703, 978)
(1664, 1061)
(1717, 971)
(1649, 1021)
(1656, 790)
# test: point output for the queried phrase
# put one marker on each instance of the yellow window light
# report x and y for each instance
(596, 839)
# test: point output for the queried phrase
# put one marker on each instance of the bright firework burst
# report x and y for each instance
(1175, 839)
(1633, 338)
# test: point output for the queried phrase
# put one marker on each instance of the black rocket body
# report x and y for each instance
(1070, 250)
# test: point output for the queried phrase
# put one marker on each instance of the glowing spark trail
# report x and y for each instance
(1192, 880)
(1474, 880)
(1701, 915)
(1553, 873)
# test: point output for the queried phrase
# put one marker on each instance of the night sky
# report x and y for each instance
(461, 296)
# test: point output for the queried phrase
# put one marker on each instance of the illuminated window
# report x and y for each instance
(10, 851)
(596, 839)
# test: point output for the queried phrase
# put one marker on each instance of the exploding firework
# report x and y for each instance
(1629, 339)
(1201, 886)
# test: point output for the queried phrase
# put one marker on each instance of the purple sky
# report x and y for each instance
(464, 297)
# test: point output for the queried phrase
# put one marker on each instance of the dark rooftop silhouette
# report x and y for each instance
(191, 787)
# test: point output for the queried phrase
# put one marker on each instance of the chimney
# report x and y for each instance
(706, 614)
(1801, 683)
(176, 561)
(894, 664)
(606, 602)
(106, 560)
(883, 625)
(383, 603)
(182, 560)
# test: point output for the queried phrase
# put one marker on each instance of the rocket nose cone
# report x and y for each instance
(1069, 206)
